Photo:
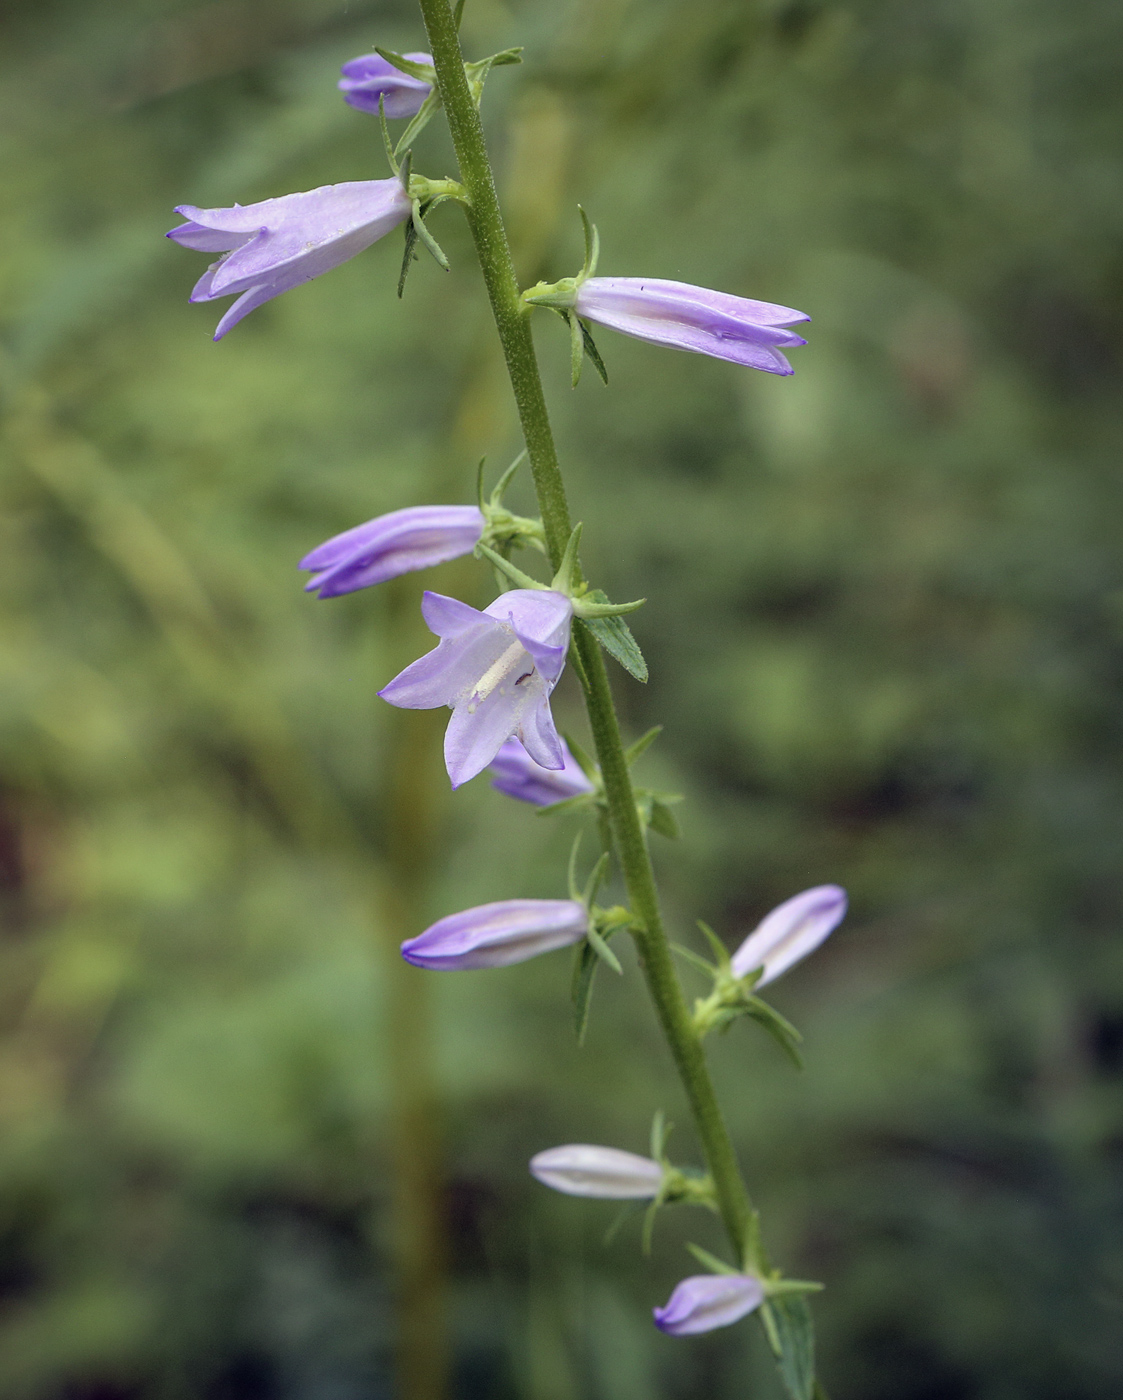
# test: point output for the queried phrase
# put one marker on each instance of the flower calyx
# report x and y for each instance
(732, 996)
(503, 530)
(561, 296)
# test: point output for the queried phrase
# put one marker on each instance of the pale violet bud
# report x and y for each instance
(398, 543)
(579, 1169)
(516, 774)
(707, 1301)
(495, 670)
(496, 935)
(685, 317)
(271, 247)
(370, 77)
(791, 931)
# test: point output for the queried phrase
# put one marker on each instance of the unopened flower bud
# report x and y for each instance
(579, 1169)
(707, 1301)
(791, 931)
(398, 543)
(517, 775)
(370, 77)
(496, 935)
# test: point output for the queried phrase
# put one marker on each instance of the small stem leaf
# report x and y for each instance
(584, 970)
(692, 957)
(647, 1238)
(711, 1261)
(391, 154)
(603, 951)
(663, 821)
(641, 746)
(615, 636)
(566, 575)
(794, 1287)
(480, 483)
(458, 13)
(516, 575)
(614, 1229)
(594, 881)
(768, 1322)
(571, 872)
(796, 1333)
(584, 762)
(427, 238)
(592, 245)
(576, 347)
(660, 1130)
(591, 349)
(423, 72)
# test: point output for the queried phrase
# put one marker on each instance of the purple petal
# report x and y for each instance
(581, 1169)
(496, 935)
(404, 540)
(539, 735)
(517, 775)
(541, 619)
(481, 725)
(691, 318)
(707, 1301)
(448, 617)
(205, 240)
(791, 931)
(443, 675)
(249, 301)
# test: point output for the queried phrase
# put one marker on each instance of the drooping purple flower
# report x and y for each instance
(370, 77)
(706, 1301)
(791, 931)
(398, 543)
(496, 935)
(276, 245)
(693, 318)
(495, 670)
(517, 775)
(580, 1169)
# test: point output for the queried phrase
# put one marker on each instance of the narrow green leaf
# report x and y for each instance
(778, 1027)
(721, 952)
(796, 1332)
(567, 805)
(615, 636)
(428, 110)
(576, 346)
(591, 349)
(663, 821)
(711, 1261)
(641, 746)
(516, 575)
(505, 480)
(408, 257)
(692, 957)
(585, 763)
(584, 970)
(603, 951)
(427, 238)
(458, 13)
(422, 71)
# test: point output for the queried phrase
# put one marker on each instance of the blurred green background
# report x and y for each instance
(885, 631)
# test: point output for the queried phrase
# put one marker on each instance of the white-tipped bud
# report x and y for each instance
(580, 1169)
(791, 931)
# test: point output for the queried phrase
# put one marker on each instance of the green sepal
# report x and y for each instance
(660, 1132)
(571, 871)
(584, 761)
(576, 345)
(567, 805)
(408, 257)
(720, 951)
(458, 14)
(505, 566)
(595, 604)
(592, 246)
(503, 482)
(641, 746)
(423, 72)
(418, 223)
(566, 576)
(614, 634)
(585, 965)
(778, 1027)
(695, 959)
(711, 1261)
(663, 821)
(420, 120)
(391, 153)
(603, 951)
(593, 884)
(477, 72)
(590, 347)
(796, 1287)
(795, 1333)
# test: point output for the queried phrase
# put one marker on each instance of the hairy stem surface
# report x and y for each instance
(512, 322)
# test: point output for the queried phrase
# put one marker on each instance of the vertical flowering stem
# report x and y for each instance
(512, 322)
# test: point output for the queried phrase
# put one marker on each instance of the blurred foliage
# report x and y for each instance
(885, 632)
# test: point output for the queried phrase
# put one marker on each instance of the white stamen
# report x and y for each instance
(498, 671)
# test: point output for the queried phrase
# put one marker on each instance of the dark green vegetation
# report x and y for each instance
(885, 633)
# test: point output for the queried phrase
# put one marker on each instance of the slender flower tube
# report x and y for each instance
(517, 775)
(496, 935)
(370, 77)
(398, 543)
(276, 245)
(692, 318)
(707, 1301)
(495, 670)
(791, 931)
(580, 1169)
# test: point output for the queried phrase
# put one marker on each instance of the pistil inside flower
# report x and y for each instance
(511, 660)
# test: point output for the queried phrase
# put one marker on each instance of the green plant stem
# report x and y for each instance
(512, 322)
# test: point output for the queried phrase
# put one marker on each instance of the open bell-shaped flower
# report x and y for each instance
(515, 773)
(707, 1301)
(496, 935)
(752, 333)
(370, 77)
(581, 1169)
(398, 543)
(280, 243)
(791, 931)
(495, 670)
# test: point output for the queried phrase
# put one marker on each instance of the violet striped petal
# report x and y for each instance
(393, 544)
(791, 931)
(707, 1301)
(496, 935)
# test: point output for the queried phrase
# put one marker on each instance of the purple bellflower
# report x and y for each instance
(516, 774)
(393, 544)
(276, 245)
(580, 1169)
(495, 670)
(733, 328)
(791, 931)
(370, 77)
(706, 1301)
(496, 935)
